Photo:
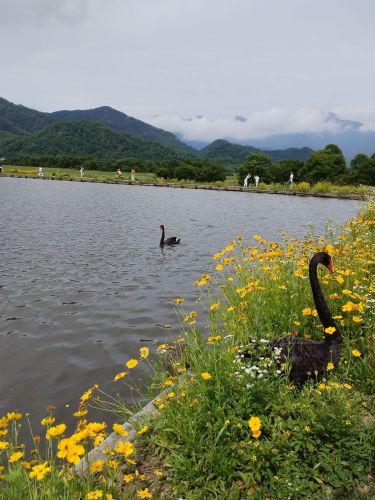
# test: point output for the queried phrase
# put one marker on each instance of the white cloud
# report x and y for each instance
(262, 124)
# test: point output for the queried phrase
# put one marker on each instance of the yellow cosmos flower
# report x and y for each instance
(3, 422)
(340, 279)
(230, 309)
(257, 434)
(14, 416)
(330, 330)
(144, 352)
(128, 478)
(356, 353)
(213, 338)
(206, 375)
(219, 267)
(96, 466)
(47, 420)
(215, 306)
(94, 495)
(143, 430)
(347, 386)
(70, 450)
(330, 366)
(118, 429)
(132, 363)
(307, 311)
(15, 456)
(108, 496)
(179, 300)
(146, 493)
(4, 445)
(40, 471)
(356, 319)
(80, 413)
(255, 423)
(124, 448)
(119, 375)
(158, 473)
(55, 431)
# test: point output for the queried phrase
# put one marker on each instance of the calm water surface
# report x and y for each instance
(83, 281)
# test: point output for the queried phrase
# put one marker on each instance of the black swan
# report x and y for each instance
(169, 241)
(309, 357)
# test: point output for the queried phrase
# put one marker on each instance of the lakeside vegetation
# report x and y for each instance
(226, 429)
(230, 181)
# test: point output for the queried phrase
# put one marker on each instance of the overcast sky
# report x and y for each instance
(281, 64)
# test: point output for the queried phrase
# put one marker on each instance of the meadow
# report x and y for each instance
(225, 428)
(230, 182)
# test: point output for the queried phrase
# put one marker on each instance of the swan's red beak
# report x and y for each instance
(330, 267)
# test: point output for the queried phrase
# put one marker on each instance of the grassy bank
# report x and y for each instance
(231, 181)
(225, 428)
(241, 430)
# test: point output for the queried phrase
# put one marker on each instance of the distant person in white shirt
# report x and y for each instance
(291, 177)
(119, 173)
(82, 171)
(246, 180)
(132, 175)
(40, 172)
(256, 179)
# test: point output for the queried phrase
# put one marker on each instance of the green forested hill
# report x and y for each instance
(87, 138)
(227, 152)
(123, 123)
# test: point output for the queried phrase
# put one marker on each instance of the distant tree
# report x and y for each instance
(327, 164)
(256, 164)
(211, 172)
(362, 170)
(280, 171)
(186, 172)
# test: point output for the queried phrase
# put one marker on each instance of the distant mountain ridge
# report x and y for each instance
(107, 133)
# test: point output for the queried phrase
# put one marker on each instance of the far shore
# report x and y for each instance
(211, 187)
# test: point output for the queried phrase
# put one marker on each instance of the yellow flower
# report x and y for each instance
(143, 430)
(144, 352)
(55, 431)
(70, 450)
(330, 366)
(80, 413)
(356, 353)
(3, 422)
(113, 463)
(124, 448)
(307, 311)
(206, 375)
(128, 478)
(179, 301)
(215, 307)
(14, 416)
(230, 309)
(219, 267)
(47, 420)
(86, 395)
(144, 493)
(118, 428)
(340, 279)
(255, 423)
(108, 496)
(119, 375)
(257, 434)
(25, 465)
(347, 386)
(40, 471)
(97, 466)
(158, 473)
(94, 495)
(132, 363)
(15, 456)
(356, 319)
(4, 445)
(213, 338)
(330, 330)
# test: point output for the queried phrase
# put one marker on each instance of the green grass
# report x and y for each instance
(148, 177)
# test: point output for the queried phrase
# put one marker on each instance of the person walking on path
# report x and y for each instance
(132, 175)
(40, 172)
(291, 177)
(82, 171)
(256, 179)
(119, 173)
(246, 180)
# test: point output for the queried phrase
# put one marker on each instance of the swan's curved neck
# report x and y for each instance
(162, 236)
(322, 308)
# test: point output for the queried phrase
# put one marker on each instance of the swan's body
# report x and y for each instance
(309, 357)
(169, 241)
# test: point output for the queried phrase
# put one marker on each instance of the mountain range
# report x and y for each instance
(105, 132)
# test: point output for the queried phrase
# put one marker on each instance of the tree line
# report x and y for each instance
(326, 164)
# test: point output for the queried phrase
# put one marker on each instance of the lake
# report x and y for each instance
(84, 281)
